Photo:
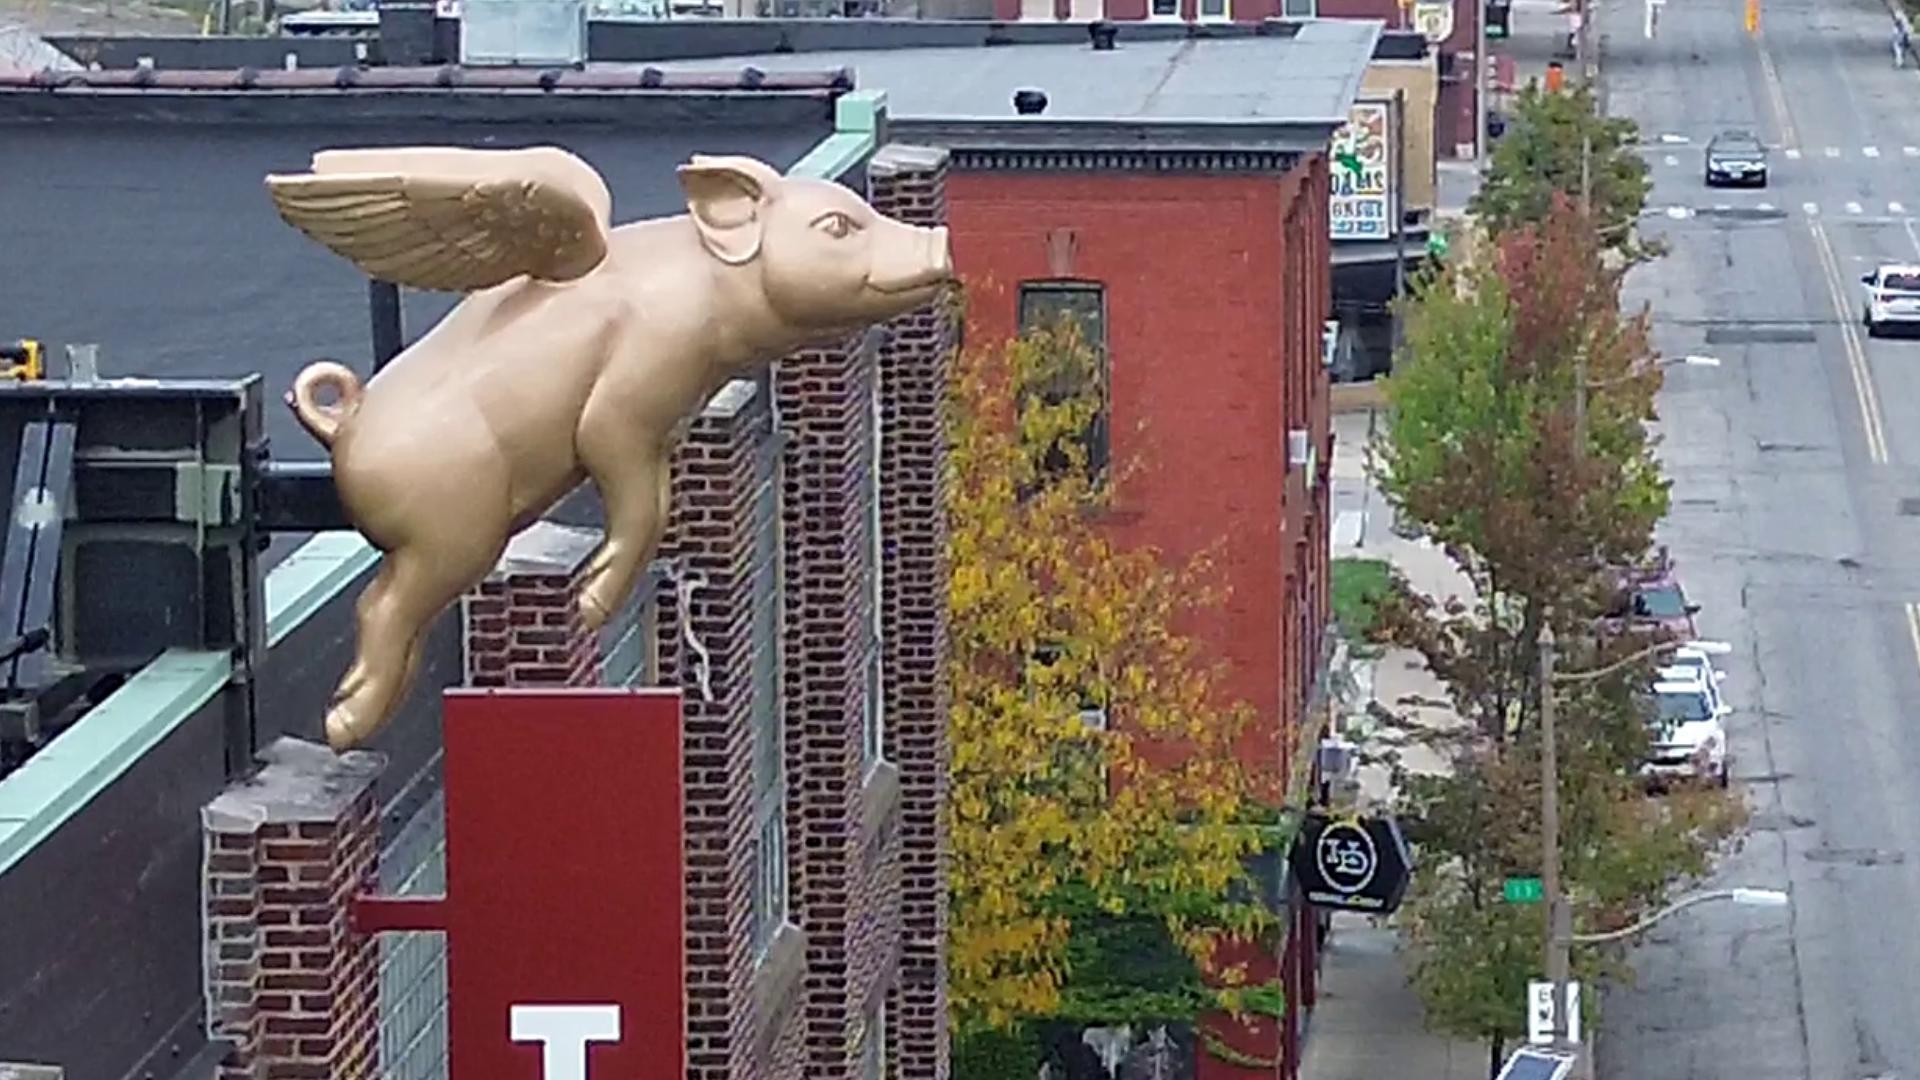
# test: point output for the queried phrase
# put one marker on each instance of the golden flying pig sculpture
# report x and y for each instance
(578, 353)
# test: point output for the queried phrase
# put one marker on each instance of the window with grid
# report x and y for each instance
(769, 708)
(1046, 305)
(873, 730)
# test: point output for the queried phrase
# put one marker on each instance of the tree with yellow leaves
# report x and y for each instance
(1100, 823)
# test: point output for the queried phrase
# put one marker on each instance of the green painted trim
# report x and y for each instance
(859, 111)
(856, 135)
(306, 580)
(39, 797)
(835, 156)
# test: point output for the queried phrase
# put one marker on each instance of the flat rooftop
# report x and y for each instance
(1304, 73)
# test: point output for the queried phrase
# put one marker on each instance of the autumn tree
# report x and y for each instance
(1095, 793)
(1516, 439)
(1557, 143)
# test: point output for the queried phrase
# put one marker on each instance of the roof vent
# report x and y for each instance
(1029, 102)
(1102, 34)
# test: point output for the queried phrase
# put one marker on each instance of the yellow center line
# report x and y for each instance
(1856, 353)
(1768, 74)
(1913, 628)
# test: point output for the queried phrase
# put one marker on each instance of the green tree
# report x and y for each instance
(1540, 156)
(1516, 439)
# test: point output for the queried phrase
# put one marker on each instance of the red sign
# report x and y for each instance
(565, 905)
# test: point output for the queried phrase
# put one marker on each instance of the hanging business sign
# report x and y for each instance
(1434, 19)
(1360, 167)
(1352, 863)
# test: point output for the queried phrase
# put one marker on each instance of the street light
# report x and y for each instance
(1769, 898)
(1580, 402)
(1560, 935)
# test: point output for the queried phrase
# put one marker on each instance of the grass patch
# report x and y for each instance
(1358, 585)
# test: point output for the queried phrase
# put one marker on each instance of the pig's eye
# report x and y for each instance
(835, 224)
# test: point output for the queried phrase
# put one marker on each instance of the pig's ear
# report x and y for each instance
(727, 197)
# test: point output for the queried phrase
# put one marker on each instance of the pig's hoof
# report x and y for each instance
(344, 729)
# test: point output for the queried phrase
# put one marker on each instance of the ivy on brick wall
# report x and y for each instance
(1101, 821)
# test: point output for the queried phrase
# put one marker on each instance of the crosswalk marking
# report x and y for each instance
(1870, 151)
(1833, 151)
(1810, 209)
(1853, 208)
(1678, 213)
(1895, 208)
(1793, 153)
(1671, 160)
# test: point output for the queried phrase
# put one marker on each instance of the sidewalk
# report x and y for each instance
(1367, 1021)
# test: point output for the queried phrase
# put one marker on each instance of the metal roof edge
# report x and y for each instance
(1019, 133)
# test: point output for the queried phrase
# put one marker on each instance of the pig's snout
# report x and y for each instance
(910, 257)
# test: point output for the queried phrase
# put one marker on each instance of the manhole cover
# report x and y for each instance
(1857, 856)
(1742, 213)
(1910, 506)
(1759, 335)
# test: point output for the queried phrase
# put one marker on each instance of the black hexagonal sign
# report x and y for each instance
(1352, 863)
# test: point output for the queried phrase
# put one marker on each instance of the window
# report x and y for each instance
(1215, 10)
(1299, 9)
(873, 1049)
(1163, 9)
(769, 707)
(1051, 305)
(873, 731)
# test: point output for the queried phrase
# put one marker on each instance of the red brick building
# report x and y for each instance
(1174, 194)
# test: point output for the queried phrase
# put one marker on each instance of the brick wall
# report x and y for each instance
(742, 1014)
(522, 625)
(910, 183)
(289, 985)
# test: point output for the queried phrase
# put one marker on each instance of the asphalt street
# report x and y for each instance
(1796, 524)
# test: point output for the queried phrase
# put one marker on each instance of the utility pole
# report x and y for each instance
(1481, 148)
(1559, 921)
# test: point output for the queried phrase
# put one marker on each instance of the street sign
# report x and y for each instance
(1540, 1013)
(1352, 864)
(1523, 890)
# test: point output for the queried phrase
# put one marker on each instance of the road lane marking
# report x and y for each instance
(1721, 208)
(1793, 153)
(1833, 151)
(1871, 151)
(1670, 137)
(1811, 209)
(1788, 138)
(1913, 628)
(1895, 208)
(1911, 237)
(1863, 390)
(1764, 207)
(1853, 208)
(1678, 213)
(1671, 160)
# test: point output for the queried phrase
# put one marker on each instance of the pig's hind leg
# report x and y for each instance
(414, 585)
(628, 465)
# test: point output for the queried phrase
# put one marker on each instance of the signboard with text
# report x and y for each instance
(1360, 167)
(1352, 863)
(564, 908)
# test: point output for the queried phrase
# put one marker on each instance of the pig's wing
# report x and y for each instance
(450, 219)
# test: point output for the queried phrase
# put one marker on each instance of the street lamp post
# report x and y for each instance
(1560, 935)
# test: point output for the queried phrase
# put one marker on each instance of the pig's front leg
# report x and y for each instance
(628, 464)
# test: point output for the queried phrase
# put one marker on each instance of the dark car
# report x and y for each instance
(1736, 157)
(1651, 599)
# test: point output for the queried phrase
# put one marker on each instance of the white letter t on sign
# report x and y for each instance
(564, 1032)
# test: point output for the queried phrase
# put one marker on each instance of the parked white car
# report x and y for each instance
(1688, 727)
